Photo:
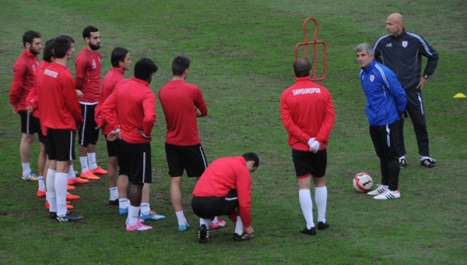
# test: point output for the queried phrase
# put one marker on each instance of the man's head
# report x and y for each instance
(395, 24)
(252, 161)
(302, 67)
(120, 58)
(92, 37)
(180, 66)
(47, 55)
(145, 68)
(72, 47)
(365, 54)
(61, 47)
(32, 41)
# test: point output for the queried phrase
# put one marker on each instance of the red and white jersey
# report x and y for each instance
(225, 174)
(23, 79)
(88, 75)
(132, 108)
(307, 111)
(179, 99)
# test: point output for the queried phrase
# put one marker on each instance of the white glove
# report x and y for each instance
(315, 146)
(310, 142)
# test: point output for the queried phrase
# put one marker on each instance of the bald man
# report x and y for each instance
(402, 52)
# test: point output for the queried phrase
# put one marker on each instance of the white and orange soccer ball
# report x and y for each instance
(362, 182)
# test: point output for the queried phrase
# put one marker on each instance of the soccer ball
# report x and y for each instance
(362, 182)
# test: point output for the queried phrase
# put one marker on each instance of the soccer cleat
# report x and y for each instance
(139, 220)
(40, 193)
(322, 226)
(68, 188)
(113, 202)
(77, 181)
(379, 190)
(311, 231)
(216, 225)
(152, 216)
(388, 195)
(237, 237)
(88, 175)
(402, 163)
(203, 234)
(184, 227)
(69, 217)
(123, 211)
(31, 176)
(138, 227)
(98, 170)
(429, 163)
(71, 197)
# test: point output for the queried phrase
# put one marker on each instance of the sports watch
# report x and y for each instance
(426, 76)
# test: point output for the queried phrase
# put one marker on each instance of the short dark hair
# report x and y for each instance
(251, 157)
(302, 67)
(179, 65)
(144, 68)
(87, 31)
(48, 51)
(118, 55)
(61, 45)
(29, 36)
(70, 38)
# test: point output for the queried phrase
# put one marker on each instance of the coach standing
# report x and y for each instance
(402, 52)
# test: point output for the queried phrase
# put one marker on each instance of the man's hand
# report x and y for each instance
(79, 93)
(249, 231)
(198, 112)
(422, 82)
(112, 136)
(30, 109)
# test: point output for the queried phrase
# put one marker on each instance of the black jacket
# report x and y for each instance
(403, 55)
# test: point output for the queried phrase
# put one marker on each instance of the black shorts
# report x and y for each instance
(60, 144)
(190, 158)
(135, 162)
(210, 207)
(309, 163)
(37, 124)
(87, 131)
(27, 122)
(112, 147)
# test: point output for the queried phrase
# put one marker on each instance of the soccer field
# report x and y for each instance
(241, 56)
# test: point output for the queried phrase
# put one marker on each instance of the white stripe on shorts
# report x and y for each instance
(144, 166)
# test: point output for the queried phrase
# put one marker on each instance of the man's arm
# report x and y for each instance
(19, 72)
(328, 121)
(80, 67)
(200, 104)
(71, 100)
(149, 106)
(395, 88)
(289, 124)
(431, 54)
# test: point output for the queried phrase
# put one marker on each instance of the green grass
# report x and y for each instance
(242, 53)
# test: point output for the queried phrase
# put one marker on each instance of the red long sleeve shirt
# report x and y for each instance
(225, 174)
(57, 99)
(88, 75)
(111, 79)
(179, 99)
(132, 107)
(31, 99)
(23, 79)
(307, 111)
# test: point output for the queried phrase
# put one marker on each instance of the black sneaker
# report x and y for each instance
(322, 226)
(311, 231)
(113, 202)
(237, 237)
(429, 162)
(69, 217)
(52, 215)
(402, 163)
(203, 234)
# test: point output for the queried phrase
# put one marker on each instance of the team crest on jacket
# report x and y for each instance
(404, 44)
(372, 78)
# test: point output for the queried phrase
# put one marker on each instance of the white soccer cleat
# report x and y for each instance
(388, 195)
(379, 190)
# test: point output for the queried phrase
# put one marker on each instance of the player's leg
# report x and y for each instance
(318, 171)
(378, 137)
(27, 136)
(92, 135)
(112, 173)
(146, 212)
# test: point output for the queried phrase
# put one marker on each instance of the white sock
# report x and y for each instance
(205, 222)
(123, 203)
(26, 169)
(133, 213)
(51, 195)
(113, 193)
(304, 197)
(92, 161)
(215, 220)
(239, 226)
(41, 182)
(321, 198)
(424, 157)
(61, 180)
(71, 173)
(145, 208)
(181, 218)
(402, 157)
(83, 160)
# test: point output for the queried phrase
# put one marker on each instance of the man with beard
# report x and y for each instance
(23, 81)
(88, 80)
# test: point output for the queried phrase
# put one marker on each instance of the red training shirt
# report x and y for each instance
(111, 79)
(23, 79)
(132, 108)
(31, 99)
(179, 99)
(307, 111)
(88, 75)
(225, 174)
